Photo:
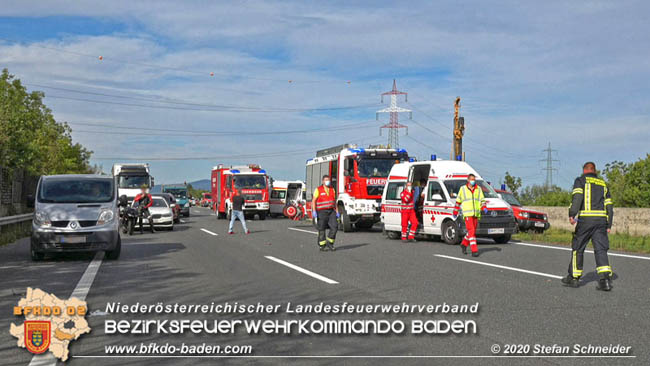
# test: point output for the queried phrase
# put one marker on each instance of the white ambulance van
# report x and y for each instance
(441, 181)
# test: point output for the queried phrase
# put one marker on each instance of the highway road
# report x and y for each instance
(517, 286)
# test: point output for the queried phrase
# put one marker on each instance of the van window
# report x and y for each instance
(76, 190)
(453, 186)
(435, 188)
(278, 194)
(394, 190)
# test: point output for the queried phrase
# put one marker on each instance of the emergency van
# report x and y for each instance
(437, 197)
(286, 194)
(250, 180)
(358, 176)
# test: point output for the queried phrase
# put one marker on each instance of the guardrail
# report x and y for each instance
(15, 219)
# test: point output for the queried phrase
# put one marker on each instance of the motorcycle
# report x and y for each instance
(128, 216)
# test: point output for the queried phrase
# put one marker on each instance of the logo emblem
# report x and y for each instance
(493, 213)
(37, 335)
(74, 225)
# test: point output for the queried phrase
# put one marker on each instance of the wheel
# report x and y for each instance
(171, 228)
(221, 215)
(36, 256)
(177, 220)
(115, 253)
(187, 214)
(502, 239)
(131, 226)
(262, 215)
(393, 235)
(450, 234)
(345, 220)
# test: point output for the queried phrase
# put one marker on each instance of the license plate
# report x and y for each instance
(496, 231)
(539, 224)
(73, 239)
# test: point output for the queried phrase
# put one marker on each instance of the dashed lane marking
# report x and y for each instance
(499, 266)
(209, 232)
(302, 270)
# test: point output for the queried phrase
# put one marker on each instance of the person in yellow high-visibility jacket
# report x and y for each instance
(324, 209)
(470, 200)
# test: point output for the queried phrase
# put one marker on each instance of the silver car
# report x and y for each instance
(75, 213)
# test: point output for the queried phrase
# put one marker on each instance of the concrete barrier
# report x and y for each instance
(635, 221)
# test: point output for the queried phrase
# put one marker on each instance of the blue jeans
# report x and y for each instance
(237, 215)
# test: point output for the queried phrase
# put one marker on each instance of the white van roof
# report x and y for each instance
(442, 169)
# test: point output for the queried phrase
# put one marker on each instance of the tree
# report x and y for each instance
(539, 195)
(30, 137)
(629, 184)
(513, 184)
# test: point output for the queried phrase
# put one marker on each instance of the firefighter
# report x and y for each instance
(408, 213)
(471, 202)
(592, 212)
(324, 208)
(146, 201)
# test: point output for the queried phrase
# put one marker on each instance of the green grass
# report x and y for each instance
(619, 241)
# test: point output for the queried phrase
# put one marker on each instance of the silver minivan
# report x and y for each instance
(75, 213)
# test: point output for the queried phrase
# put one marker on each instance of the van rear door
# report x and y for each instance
(390, 208)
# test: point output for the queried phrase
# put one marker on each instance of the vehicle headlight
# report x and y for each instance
(187, 205)
(105, 217)
(42, 219)
(524, 215)
(545, 217)
(166, 215)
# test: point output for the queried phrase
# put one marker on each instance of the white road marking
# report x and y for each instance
(80, 292)
(500, 266)
(302, 270)
(182, 221)
(304, 231)
(209, 232)
(587, 251)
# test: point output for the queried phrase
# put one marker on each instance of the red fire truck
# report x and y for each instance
(358, 175)
(250, 180)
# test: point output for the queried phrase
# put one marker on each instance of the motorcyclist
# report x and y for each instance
(145, 201)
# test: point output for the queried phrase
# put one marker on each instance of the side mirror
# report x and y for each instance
(153, 182)
(30, 201)
(437, 197)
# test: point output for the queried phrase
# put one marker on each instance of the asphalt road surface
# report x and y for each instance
(517, 286)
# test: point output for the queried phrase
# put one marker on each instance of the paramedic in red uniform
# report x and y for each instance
(145, 201)
(323, 207)
(471, 202)
(408, 213)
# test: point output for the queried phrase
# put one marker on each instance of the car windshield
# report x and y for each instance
(207, 196)
(453, 186)
(76, 190)
(157, 202)
(375, 167)
(250, 181)
(132, 181)
(177, 192)
(510, 198)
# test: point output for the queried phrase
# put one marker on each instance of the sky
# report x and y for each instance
(291, 77)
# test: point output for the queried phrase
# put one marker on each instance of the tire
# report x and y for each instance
(187, 214)
(450, 233)
(36, 256)
(130, 227)
(346, 224)
(262, 215)
(393, 235)
(502, 239)
(221, 215)
(171, 228)
(115, 253)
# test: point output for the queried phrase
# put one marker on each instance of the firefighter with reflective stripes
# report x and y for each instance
(470, 200)
(592, 212)
(324, 209)
(407, 210)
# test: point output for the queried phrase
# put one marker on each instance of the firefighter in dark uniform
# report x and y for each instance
(145, 201)
(324, 208)
(592, 212)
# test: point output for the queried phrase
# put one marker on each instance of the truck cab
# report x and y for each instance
(130, 177)
(249, 180)
(437, 183)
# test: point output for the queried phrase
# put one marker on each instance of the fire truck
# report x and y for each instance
(358, 176)
(250, 180)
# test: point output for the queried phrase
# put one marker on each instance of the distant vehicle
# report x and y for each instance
(130, 177)
(444, 179)
(249, 180)
(358, 176)
(182, 196)
(527, 219)
(75, 213)
(161, 213)
(206, 200)
(286, 198)
(176, 209)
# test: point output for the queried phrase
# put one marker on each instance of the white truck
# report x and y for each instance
(442, 180)
(130, 177)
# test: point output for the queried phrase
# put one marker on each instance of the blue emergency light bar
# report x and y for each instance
(411, 160)
(459, 157)
(503, 187)
(236, 171)
(262, 171)
(359, 151)
(401, 150)
(434, 157)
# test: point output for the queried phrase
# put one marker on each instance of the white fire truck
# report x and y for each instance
(358, 176)
(443, 179)
(250, 180)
